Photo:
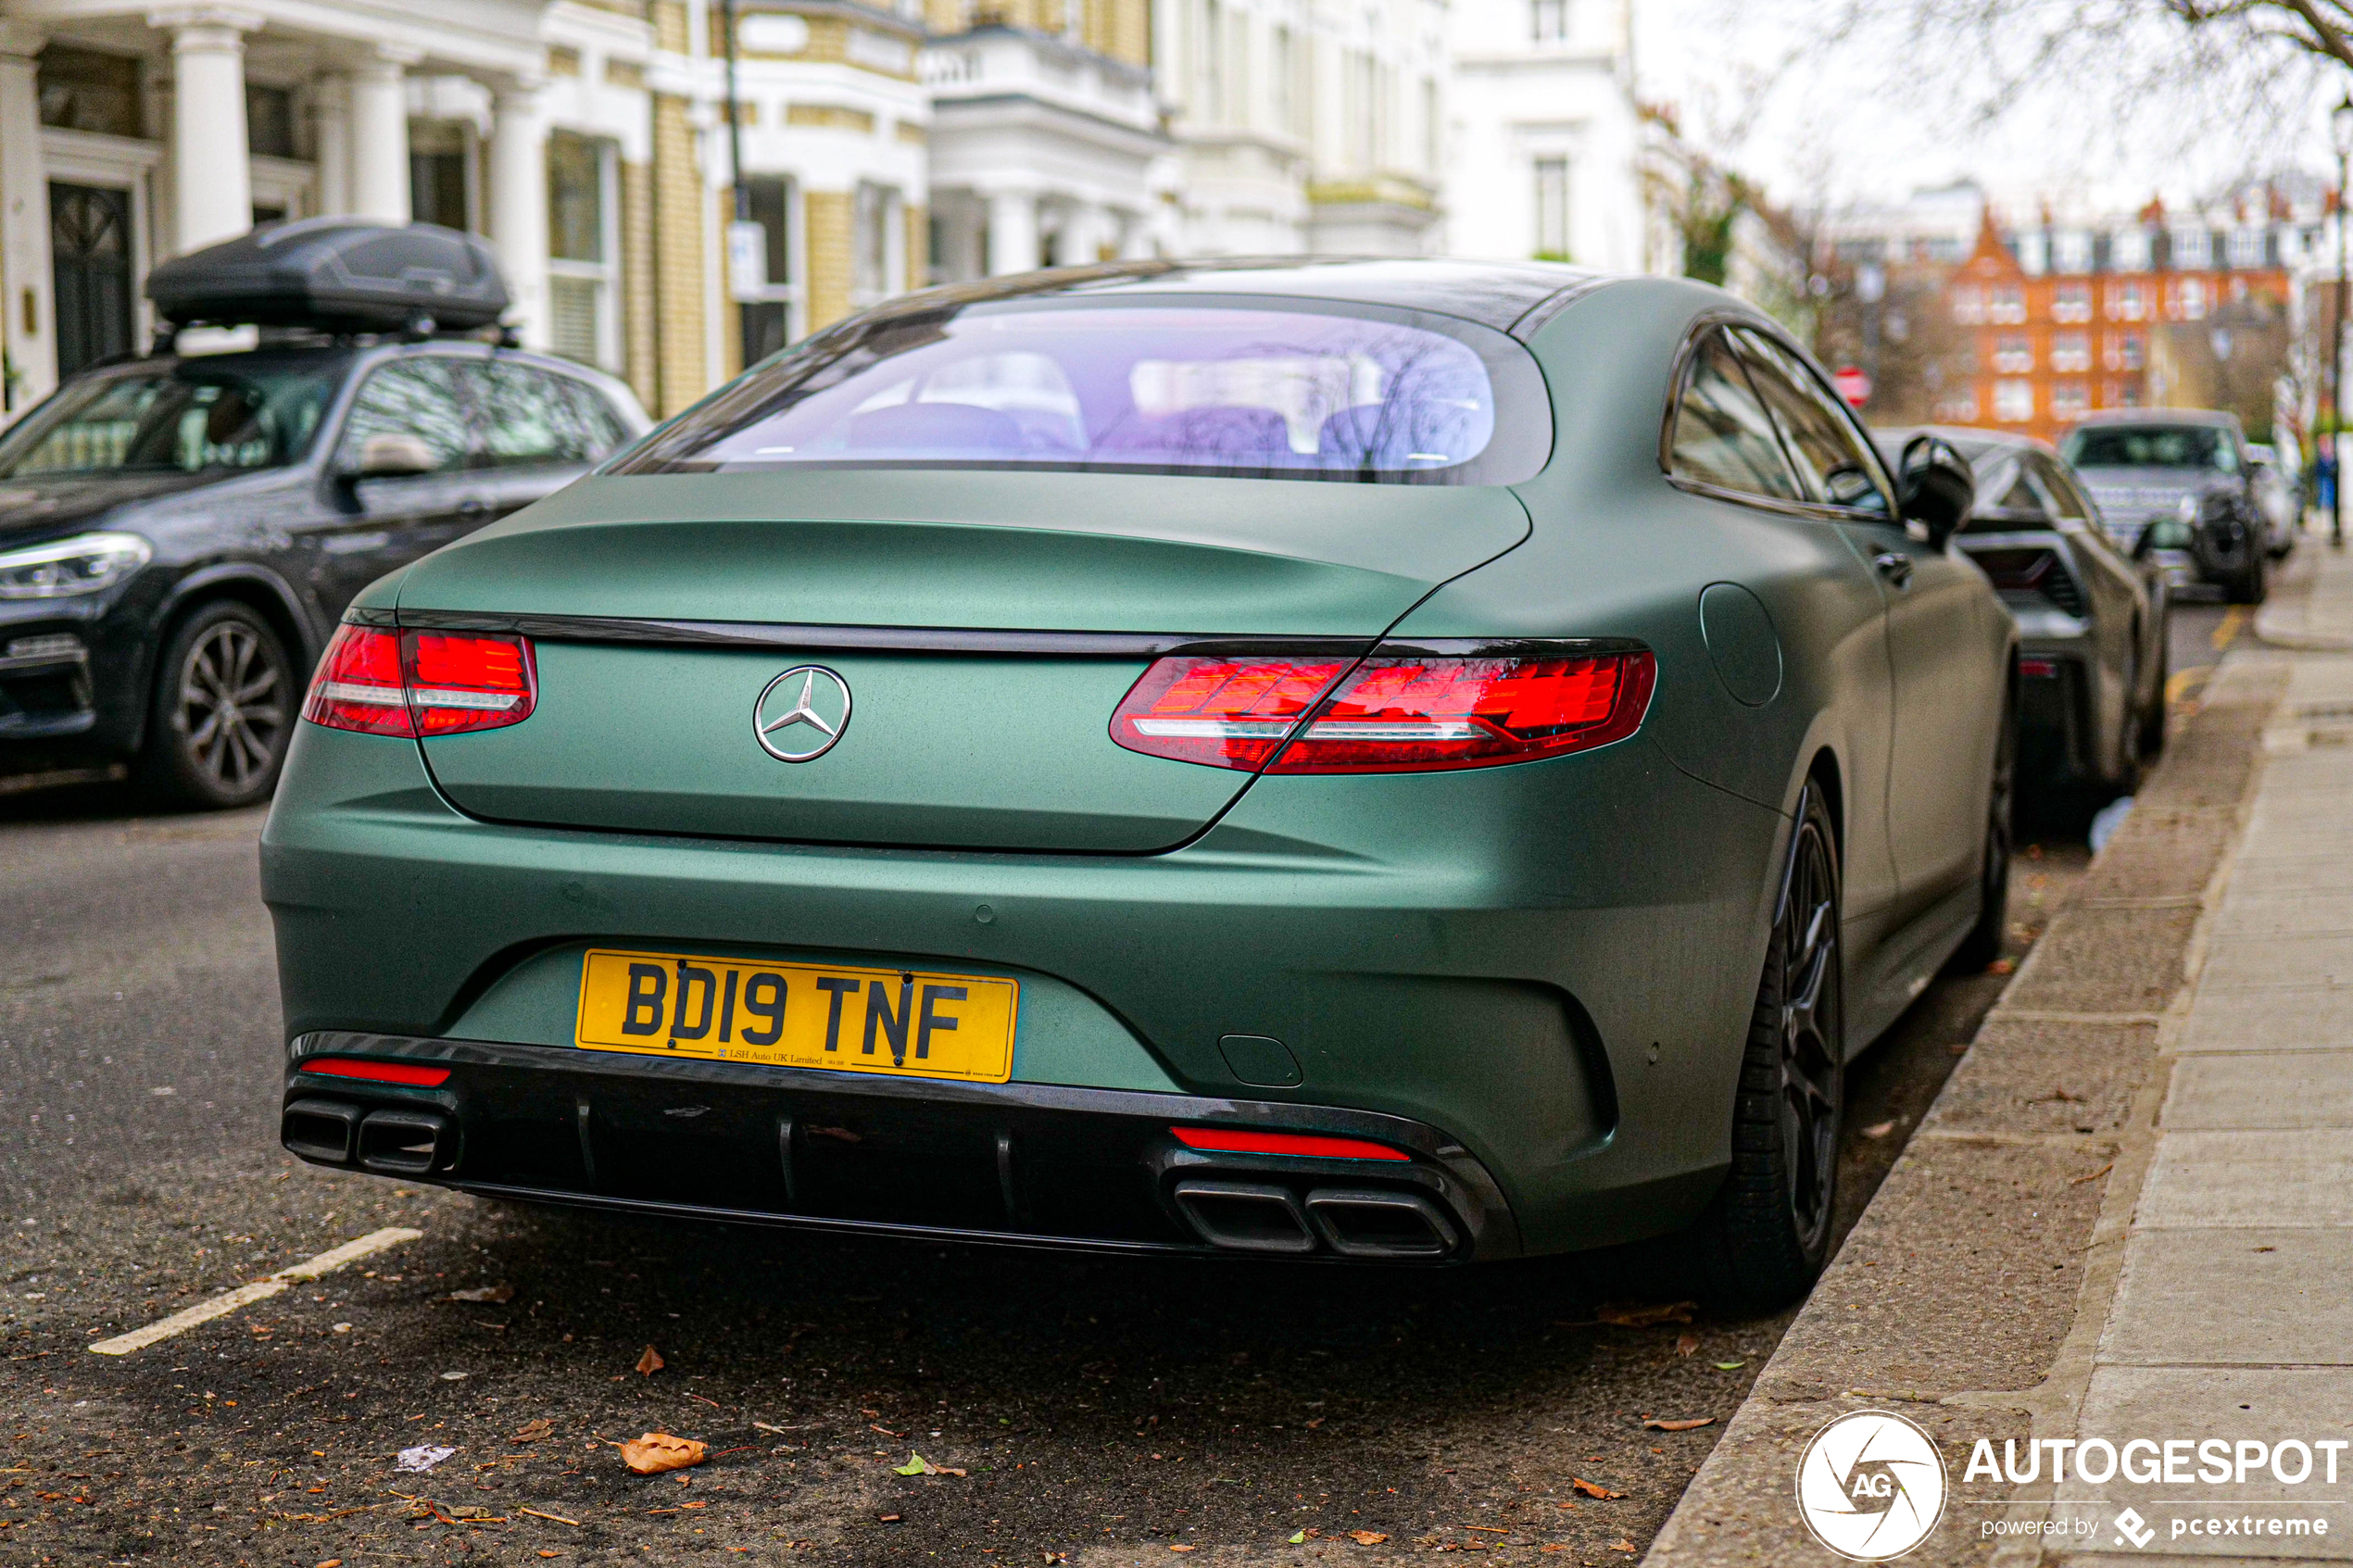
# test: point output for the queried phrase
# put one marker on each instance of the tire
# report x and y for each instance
(1767, 1233)
(222, 711)
(1984, 943)
(2251, 585)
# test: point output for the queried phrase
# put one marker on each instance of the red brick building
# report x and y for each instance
(2040, 347)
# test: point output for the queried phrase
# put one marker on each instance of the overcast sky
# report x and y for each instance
(1862, 120)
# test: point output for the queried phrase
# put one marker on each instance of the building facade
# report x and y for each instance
(1548, 145)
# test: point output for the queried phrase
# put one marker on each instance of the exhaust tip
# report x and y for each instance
(322, 1129)
(1245, 1216)
(1372, 1223)
(405, 1143)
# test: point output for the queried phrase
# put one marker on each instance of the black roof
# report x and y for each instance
(1514, 296)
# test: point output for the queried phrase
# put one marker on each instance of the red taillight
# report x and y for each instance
(379, 1071)
(2046, 668)
(384, 683)
(1385, 715)
(1232, 1140)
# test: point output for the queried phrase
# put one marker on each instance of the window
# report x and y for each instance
(1960, 408)
(1722, 434)
(2125, 351)
(767, 321)
(2013, 354)
(542, 419)
(2070, 400)
(2129, 250)
(2203, 449)
(2009, 304)
(1263, 393)
(269, 121)
(877, 242)
(2072, 251)
(583, 322)
(1969, 305)
(2071, 302)
(2191, 248)
(411, 397)
(2071, 351)
(2013, 401)
(84, 90)
(437, 187)
(2247, 247)
(2189, 299)
(2128, 302)
(1835, 465)
(1548, 20)
(209, 413)
(1552, 209)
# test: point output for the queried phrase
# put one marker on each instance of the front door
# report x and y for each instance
(90, 262)
(378, 523)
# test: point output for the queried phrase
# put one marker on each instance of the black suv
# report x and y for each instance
(180, 534)
(2179, 484)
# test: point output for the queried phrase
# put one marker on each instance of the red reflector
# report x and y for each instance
(384, 683)
(379, 1071)
(1231, 1140)
(1385, 715)
(2044, 667)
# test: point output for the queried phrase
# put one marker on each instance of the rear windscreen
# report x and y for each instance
(2202, 447)
(1227, 388)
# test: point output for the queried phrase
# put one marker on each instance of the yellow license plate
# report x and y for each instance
(906, 1023)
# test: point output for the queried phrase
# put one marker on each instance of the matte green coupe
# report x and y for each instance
(1399, 760)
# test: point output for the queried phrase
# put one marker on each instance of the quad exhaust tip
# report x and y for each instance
(1369, 1222)
(390, 1143)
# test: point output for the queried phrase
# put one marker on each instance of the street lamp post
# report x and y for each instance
(2340, 133)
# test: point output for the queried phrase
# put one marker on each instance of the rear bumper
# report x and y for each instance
(1016, 1164)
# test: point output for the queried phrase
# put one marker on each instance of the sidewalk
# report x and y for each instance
(2130, 1214)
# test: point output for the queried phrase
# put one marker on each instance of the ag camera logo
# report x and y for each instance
(1871, 1485)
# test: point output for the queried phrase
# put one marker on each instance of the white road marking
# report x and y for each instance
(259, 1290)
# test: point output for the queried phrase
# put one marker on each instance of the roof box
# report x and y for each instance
(337, 274)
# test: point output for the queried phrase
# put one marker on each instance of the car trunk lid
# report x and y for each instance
(983, 642)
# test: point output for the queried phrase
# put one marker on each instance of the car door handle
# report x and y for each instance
(1895, 566)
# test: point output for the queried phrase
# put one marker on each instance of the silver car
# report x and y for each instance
(2090, 613)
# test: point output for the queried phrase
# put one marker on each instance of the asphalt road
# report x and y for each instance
(1115, 1411)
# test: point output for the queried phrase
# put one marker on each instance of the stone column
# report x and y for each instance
(331, 105)
(25, 306)
(380, 137)
(1086, 233)
(211, 167)
(1013, 232)
(519, 204)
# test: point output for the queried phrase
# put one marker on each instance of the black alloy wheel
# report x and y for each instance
(1984, 943)
(1766, 1235)
(225, 703)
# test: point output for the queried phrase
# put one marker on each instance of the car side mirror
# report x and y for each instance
(392, 455)
(1935, 487)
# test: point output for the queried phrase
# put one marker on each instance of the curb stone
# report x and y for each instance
(1971, 1294)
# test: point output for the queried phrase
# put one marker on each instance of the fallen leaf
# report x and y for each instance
(657, 1451)
(421, 1458)
(1633, 1314)
(883, 1430)
(886, 1518)
(918, 1465)
(1693, 1425)
(1623, 1545)
(532, 1431)
(331, 1563)
(495, 1293)
(2001, 966)
(557, 1517)
(2093, 1177)
(1367, 1538)
(1300, 1539)
(1686, 1343)
(1879, 1129)
(1053, 1556)
(1729, 1366)
(1591, 1490)
(651, 1361)
(1174, 1545)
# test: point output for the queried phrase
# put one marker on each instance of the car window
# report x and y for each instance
(214, 413)
(417, 397)
(2205, 447)
(1229, 388)
(1722, 434)
(601, 424)
(1834, 462)
(528, 417)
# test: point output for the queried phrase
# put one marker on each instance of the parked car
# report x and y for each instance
(2093, 655)
(2184, 467)
(2279, 491)
(1399, 760)
(179, 534)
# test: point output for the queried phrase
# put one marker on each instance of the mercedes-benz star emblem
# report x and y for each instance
(801, 713)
